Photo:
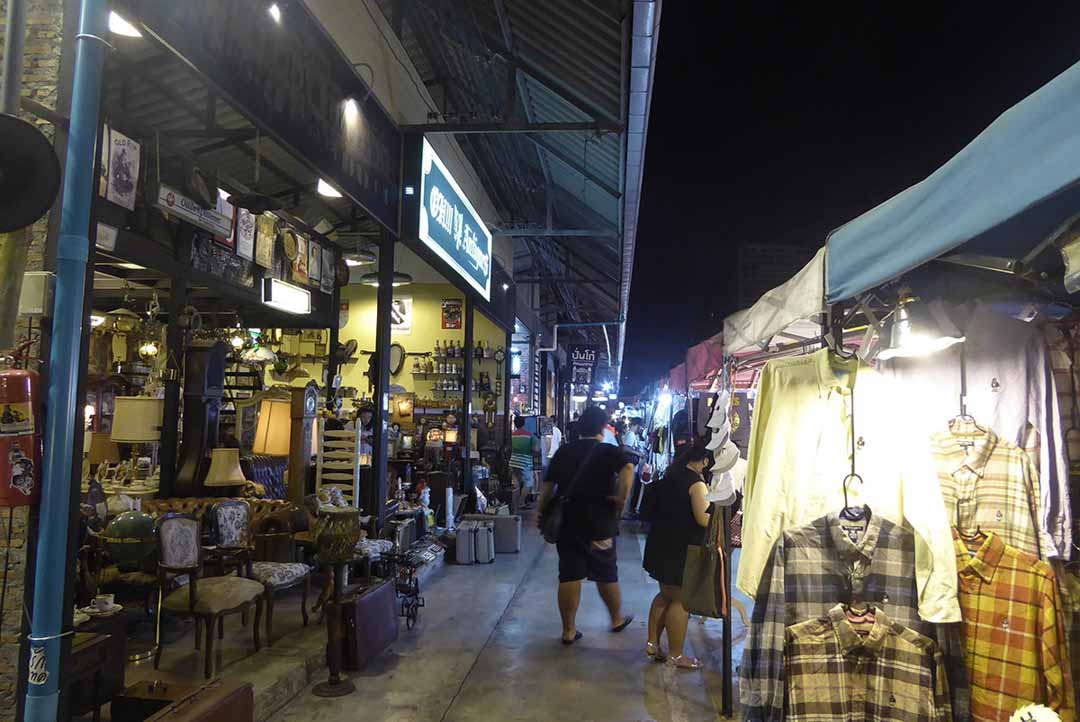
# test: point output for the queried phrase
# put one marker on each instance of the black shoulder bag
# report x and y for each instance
(551, 516)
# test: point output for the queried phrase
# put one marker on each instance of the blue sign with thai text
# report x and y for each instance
(451, 227)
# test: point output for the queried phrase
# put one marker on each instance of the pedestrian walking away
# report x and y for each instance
(594, 479)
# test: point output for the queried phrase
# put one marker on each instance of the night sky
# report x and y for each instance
(776, 122)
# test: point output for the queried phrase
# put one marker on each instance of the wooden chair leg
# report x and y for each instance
(198, 634)
(221, 627)
(258, 619)
(303, 599)
(269, 617)
(209, 670)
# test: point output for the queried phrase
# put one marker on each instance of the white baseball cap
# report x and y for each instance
(727, 457)
(719, 438)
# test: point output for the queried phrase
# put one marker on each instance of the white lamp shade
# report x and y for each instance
(137, 419)
(224, 468)
(273, 430)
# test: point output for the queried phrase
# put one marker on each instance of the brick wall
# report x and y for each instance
(41, 70)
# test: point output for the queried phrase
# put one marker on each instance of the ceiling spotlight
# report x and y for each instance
(372, 279)
(275, 12)
(325, 189)
(352, 109)
(506, 286)
(96, 319)
(119, 26)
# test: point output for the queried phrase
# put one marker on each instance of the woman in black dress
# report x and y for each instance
(679, 515)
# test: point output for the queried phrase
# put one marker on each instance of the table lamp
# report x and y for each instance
(224, 469)
(137, 420)
(273, 428)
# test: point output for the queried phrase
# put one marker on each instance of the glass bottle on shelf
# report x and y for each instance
(487, 349)
(438, 351)
(449, 346)
(416, 365)
(479, 352)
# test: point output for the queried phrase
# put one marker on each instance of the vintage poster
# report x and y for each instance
(451, 313)
(401, 316)
(300, 267)
(314, 262)
(329, 275)
(123, 169)
(245, 234)
(265, 236)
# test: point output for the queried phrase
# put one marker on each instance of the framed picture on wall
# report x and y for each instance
(401, 315)
(451, 313)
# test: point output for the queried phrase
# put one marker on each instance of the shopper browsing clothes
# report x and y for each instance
(595, 479)
(679, 512)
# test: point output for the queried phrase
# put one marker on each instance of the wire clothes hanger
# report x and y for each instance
(849, 512)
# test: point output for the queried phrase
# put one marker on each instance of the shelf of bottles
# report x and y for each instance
(444, 368)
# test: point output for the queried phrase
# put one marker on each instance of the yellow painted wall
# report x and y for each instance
(426, 328)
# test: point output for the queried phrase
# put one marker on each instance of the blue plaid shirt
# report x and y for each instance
(814, 567)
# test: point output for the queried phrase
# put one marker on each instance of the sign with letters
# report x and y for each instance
(450, 226)
(582, 364)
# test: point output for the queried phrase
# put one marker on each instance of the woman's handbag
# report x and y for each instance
(704, 587)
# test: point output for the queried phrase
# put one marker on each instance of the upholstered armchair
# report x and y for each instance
(230, 522)
(207, 600)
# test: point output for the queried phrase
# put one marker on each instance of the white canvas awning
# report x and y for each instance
(786, 310)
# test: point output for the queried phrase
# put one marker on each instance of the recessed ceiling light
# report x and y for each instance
(119, 26)
(275, 12)
(325, 189)
(506, 286)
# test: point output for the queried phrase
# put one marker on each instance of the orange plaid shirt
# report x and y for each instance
(1014, 633)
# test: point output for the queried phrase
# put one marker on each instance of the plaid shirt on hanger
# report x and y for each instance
(993, 484)
(1014, 632)
(816, 566)
(835, 673)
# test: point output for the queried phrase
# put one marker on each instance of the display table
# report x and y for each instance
(132, 496)
(92, 655)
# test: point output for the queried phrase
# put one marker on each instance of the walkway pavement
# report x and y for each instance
(487, 648)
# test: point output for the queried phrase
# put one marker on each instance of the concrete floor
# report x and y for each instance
(487, 648)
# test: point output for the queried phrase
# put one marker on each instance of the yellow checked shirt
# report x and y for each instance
(1014, 634)
(988, 483)
(800, 451)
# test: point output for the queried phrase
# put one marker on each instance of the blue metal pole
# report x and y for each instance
(43, 690)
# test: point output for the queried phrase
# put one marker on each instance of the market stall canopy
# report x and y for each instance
(677, 379)
(1006, 192)
(704, 360)
(785, 309)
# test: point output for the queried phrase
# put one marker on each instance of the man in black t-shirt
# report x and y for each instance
(596, 478)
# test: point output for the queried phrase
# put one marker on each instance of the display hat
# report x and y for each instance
(719, 438)
(726, 457)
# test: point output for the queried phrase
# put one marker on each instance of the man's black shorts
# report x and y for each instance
(580, 559)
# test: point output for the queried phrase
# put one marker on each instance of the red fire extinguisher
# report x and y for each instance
(20, 438)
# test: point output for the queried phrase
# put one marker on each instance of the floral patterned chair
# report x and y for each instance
(276, 569)
(207, 600)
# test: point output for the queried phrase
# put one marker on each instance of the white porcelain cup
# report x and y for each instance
(103, 602)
